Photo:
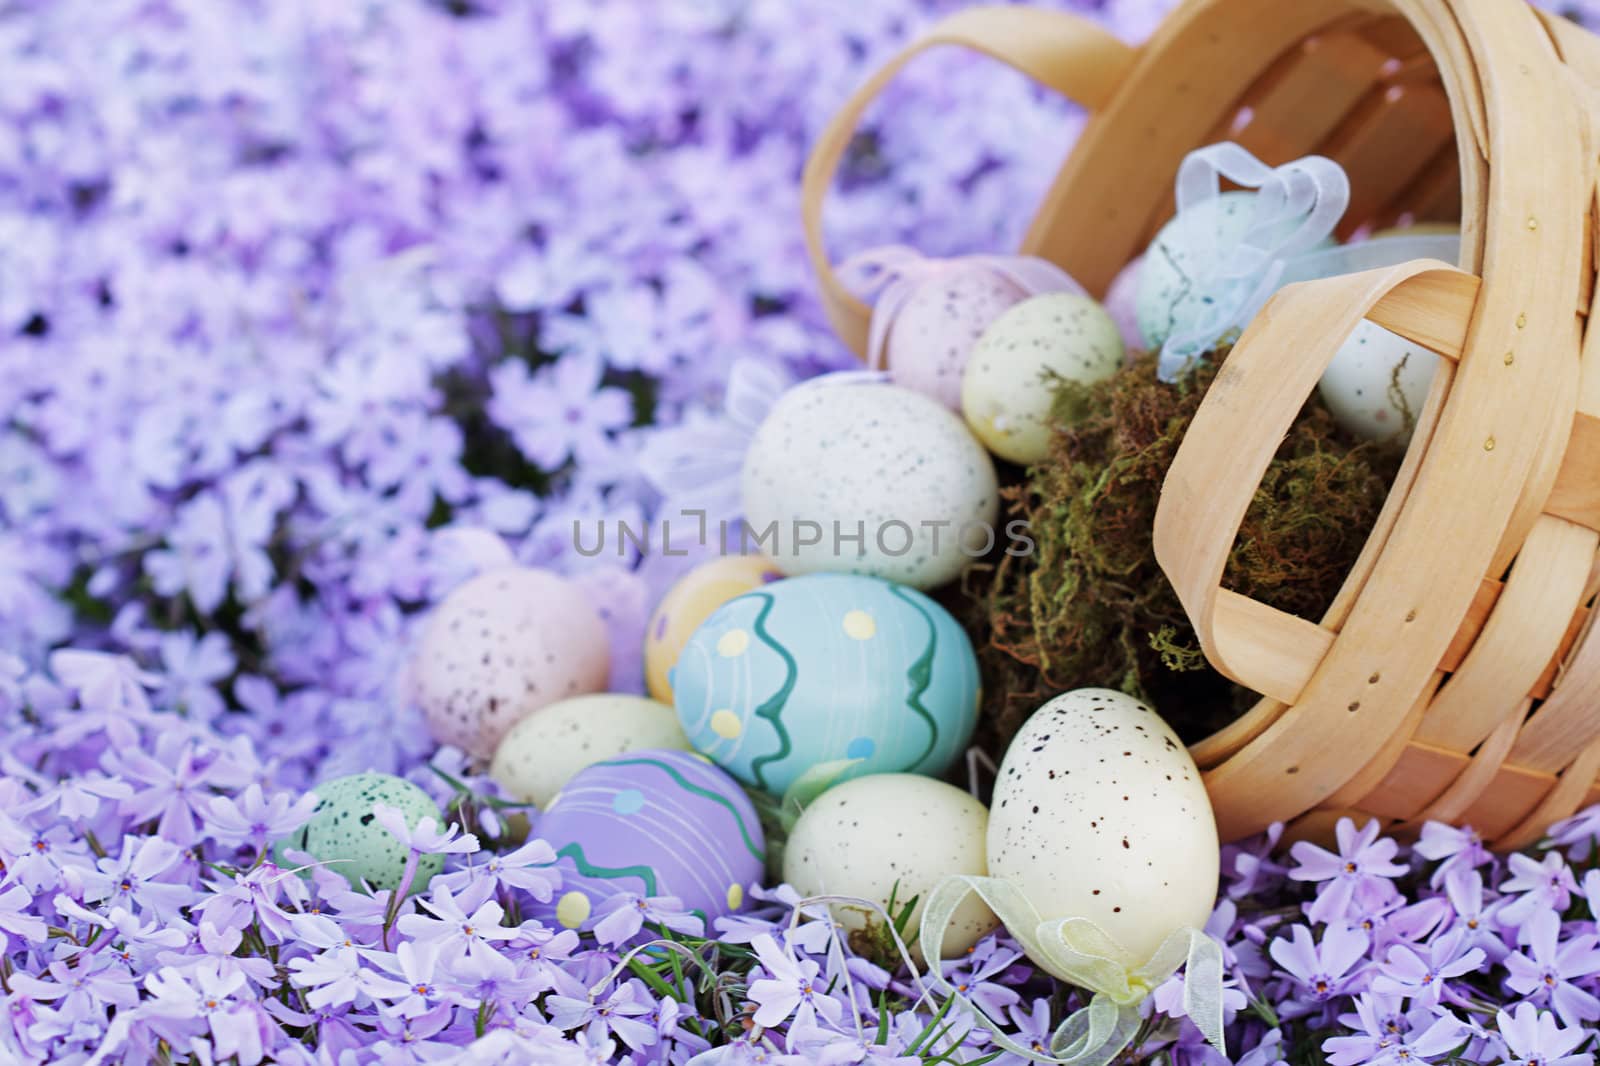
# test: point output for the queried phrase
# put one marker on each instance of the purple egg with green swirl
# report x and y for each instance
(824, 668)
(652, 823)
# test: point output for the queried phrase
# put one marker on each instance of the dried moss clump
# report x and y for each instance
(1090, 606)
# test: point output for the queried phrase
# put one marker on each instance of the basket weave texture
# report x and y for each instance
(1456, 676)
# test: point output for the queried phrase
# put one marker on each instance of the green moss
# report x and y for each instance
(1090, 605)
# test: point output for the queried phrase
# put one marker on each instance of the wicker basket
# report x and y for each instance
(1456, 676)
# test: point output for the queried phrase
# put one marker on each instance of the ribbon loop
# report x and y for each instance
(1078, 951)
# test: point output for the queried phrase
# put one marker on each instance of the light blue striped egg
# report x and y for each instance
(828, 667)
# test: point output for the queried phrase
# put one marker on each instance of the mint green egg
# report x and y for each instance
(1184, 250)
(344, 833)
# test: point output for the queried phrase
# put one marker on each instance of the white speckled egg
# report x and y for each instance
(542, 752)
(933, 331)
(1179, 250)
(892, 834)
(689, 602)
(344, 833)
(1007, 388)
(501, 646)
(1099, 813)
(834, 460)
(1377, 383)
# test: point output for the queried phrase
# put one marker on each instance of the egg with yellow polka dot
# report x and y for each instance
(647, 824)
(828, 667)
(689, 602)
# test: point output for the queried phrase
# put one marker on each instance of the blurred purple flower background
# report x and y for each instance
(310, 309)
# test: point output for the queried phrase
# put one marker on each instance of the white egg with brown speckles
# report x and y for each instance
(892, 835)
(1009, 386)
(544, 750)
(1100, 813)
(501, 646)
(1377, 383)
(869, 478)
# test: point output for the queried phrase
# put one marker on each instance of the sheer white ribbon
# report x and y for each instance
(1078, 951)
(1295, 210)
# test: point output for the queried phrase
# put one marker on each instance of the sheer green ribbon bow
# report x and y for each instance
(1078, 951)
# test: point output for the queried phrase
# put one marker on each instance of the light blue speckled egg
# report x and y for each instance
(1180, 250)
(344, 833)
(828, 667)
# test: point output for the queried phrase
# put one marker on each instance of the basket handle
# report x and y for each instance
(1067, 53)
(1244, 417)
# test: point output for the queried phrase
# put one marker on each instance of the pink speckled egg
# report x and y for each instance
(1122, 304)
(934, 330)
(500, 647)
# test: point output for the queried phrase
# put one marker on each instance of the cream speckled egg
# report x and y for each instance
(1007, 390)
(542, 752)
(892, 834)
(688, 603)
(1360, 385)
(344, 833)
(934, 330)
(501, 646)
(834, 462)
(1183, 246)
(1099, 813)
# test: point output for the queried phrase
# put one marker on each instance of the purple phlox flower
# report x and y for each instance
(103, 681)
(15, 919)
(158, 934)
(489, 977)
(253, 820)
(333, 977)
(175, 795)
(1399, 922)
(1452, 848)
(418, 990)
(791, 991)
(1253, 868)
(136, 878)
(425, 838)
(973, 976)
(1364, 864)
(410, 1039)
(559, 411)
(1547, 971)
(219, 948)
(360, 914)
(456, 931)
(622, 1013)
(830, 1047)
(1267, 1052)
(542, 946)
(1422, 975)
(1536, 886)
(1578, 833)
(1386, 1035)
(1464, 890)
(30, 855)
(1322, 970)
(78, 798)
(1534, 1038)
(623, 915)
(83, 988)
(1031, 1028)
(207, 996)
(530, 868)
(255, 897)
(193, 667)
(1591, 893)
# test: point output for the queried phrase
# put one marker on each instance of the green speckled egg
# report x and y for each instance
(345, 834)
